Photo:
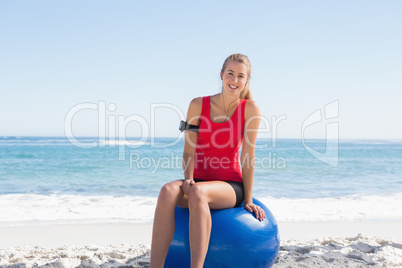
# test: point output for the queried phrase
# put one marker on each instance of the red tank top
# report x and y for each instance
(218, 144)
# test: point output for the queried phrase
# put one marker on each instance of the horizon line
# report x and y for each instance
(172, 137)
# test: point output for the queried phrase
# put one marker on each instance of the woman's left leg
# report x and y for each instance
(202, 197)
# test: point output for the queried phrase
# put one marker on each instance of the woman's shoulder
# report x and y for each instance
(251, 108)
(196, 104)
(194, 109)
(251, 105)
(196, 101)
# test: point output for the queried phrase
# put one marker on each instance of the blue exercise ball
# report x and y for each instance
(238, 239)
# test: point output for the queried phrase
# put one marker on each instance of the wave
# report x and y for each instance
(123, 142)
(36, 209)
(33, 141)
(347, 208)
(80, 142)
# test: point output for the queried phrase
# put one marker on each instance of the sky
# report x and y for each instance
(130, 68)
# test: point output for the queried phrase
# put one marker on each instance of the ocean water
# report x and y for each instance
(54, 180)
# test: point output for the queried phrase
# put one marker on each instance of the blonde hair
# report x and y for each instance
(246, 92)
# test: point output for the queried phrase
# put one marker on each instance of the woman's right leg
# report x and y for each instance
(170, 196)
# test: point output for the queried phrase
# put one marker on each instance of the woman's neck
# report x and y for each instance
(229, 100)
(229, 104)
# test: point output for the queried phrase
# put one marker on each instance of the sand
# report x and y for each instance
(303, 244)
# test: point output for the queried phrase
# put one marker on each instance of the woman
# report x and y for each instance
(213, 176)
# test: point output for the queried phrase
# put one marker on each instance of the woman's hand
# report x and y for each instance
(259, 212)
(186, 185)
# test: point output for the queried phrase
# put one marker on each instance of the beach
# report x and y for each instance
(95, 93)
(303, 244)
(67, 206)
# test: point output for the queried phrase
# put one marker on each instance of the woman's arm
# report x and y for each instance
(190, 141)
(251, 124)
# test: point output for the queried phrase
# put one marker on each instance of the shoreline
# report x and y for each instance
(140, 233)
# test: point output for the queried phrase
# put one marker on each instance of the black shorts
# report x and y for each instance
(237, 187)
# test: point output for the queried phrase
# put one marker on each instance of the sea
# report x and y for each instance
(87, 180)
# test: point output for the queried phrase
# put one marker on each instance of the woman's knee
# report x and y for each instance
(197, 195)
(170, 192)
